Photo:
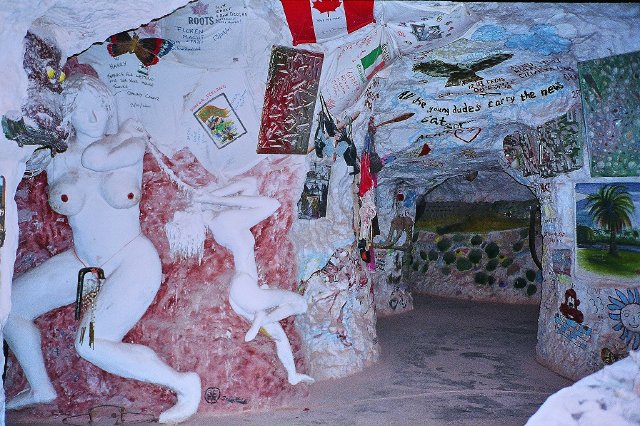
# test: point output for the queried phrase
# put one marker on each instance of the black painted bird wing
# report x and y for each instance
(489, 62)
(437, 68)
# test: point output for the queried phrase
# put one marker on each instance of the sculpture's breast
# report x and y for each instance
(121, 189)
(66, 194)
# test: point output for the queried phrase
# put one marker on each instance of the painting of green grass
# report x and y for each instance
(626, 264)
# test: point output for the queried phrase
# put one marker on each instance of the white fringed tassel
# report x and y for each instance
(186, 233)
(174, 178)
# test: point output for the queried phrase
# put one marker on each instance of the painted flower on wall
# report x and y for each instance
(625, 310)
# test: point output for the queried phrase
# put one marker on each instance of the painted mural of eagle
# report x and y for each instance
(460, 73)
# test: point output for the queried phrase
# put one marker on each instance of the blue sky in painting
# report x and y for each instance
(584, 189)
(542, 38)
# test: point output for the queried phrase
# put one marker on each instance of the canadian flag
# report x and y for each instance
(312, 21)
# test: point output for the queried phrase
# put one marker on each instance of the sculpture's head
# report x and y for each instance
(89, 106)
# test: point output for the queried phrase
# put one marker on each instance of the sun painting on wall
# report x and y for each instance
(625, 310)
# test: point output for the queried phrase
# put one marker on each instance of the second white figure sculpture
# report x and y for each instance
(262, 306)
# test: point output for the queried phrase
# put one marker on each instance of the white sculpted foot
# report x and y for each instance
(29, 397)
(188, 392)
(255, 327)
(301, 378)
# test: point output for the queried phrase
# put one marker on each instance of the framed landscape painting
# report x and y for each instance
(608, 230)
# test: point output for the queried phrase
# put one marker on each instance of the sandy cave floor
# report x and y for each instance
(448, 362)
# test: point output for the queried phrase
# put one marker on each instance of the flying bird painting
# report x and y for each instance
(459, 74)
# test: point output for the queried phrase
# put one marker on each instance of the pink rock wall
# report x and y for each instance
(190, 324)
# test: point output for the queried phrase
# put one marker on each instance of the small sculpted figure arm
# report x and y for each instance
(116, 151)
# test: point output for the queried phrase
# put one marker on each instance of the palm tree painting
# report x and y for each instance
(611, 207)
(608, 227)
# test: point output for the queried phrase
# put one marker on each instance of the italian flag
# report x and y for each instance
(312, 21)
(373, 62)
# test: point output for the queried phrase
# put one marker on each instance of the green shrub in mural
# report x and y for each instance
(475, 256)
(491, 280)
(424, 268)
(507, 262)
(608, 228)
(449, 257)
(584, 234)
(531, 290)
(443, 244)
(492, 264)
(530, 274)
(481, 278)
(433, 255)
(458, 238)
(476, 240)
(463, 264)
(518, 246)
(423, 255)
(492, 250)
(520, 282)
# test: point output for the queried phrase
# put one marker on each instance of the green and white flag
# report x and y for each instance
(373, 62)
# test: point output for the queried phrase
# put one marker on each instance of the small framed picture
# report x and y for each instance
(220, 121)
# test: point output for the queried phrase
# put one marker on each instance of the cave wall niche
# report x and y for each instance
(472, 240)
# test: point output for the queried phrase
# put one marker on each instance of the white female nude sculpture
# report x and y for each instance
(97, 184)
(231, 228)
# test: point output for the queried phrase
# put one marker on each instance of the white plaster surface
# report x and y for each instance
(338, 332)
(573, 32)
(609, 396)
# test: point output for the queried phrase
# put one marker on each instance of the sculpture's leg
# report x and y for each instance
(283, 349)
(12, 170)
(258, 320)
(287, 303)
(139, 362)
(123, 299)
(40, 290)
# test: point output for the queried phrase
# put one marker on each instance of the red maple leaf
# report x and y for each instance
(323, 6)
(199, 8)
